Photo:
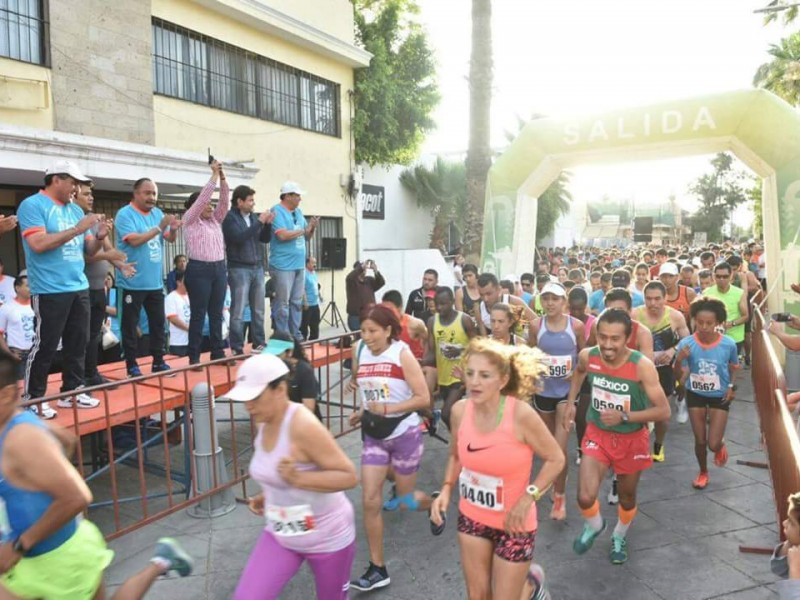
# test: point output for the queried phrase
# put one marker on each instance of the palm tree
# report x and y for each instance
(555, 201)
(781, 75)
(479, 154)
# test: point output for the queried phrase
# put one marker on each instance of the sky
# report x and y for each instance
(572, 57)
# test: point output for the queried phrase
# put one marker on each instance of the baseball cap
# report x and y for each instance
(668, 268)
(554, 288)
(64, 167)
(255, 374)
(290, 187)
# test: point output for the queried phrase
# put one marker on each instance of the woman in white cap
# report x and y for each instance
(303, 474)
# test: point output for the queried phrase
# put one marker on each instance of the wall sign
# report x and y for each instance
(372, 200)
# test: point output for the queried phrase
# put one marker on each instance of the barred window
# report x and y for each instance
(197, 68)
(23, 30)
(329, 227)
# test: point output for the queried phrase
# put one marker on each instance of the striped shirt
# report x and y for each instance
(204, 240)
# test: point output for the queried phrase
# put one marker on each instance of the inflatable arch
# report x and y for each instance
(757, 126)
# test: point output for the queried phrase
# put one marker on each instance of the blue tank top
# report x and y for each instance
(19, 509)
(561, 348)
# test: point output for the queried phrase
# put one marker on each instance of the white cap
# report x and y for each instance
(64, 167)
(668, 268)
(554, 288)
(254, 375)
(512, 277)
(290, 187)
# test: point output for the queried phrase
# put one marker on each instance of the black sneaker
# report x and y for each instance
(375, 577)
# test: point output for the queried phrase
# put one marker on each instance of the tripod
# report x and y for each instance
(335, 319)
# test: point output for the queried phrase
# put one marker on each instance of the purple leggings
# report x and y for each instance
(271, 566)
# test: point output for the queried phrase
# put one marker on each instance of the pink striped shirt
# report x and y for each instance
(203, 237)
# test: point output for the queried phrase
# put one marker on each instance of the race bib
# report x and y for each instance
(375, 391)
(559, 366)
(481, 490)
(704, 383)
(605, 400)
(290, 521)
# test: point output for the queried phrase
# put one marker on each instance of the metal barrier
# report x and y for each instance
(135, 450)
(778, 430)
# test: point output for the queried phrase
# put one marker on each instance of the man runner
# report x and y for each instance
(490, 295)
(626, 395)
(735, 301)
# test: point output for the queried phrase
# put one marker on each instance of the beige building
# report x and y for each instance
(146, 87)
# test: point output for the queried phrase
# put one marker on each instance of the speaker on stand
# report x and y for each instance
(643, 230)
(334, 256)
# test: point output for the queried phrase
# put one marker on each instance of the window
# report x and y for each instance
(197, 68)
(329, 227)
(23, 30)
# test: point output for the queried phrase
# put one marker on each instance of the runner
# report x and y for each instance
(735, 301)
(49, 550)
(449, 333)
(495, 436)
(560, 337)
(712, 362)
(626, 395)
(678, 296)
(503, 322)
(393, 388)
(490, 295)
(746, 280)
(468, 295)
(667, 326)
(303, 474)
(577, 300)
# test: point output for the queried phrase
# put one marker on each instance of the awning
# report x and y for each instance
(25, 153)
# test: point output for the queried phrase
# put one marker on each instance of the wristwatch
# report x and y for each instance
(625, 417)
(533, 492)
(18, 547)
(732, 387)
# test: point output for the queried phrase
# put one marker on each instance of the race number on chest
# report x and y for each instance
(559, 366)
(605, 400)
(481, 490)
(290, 521)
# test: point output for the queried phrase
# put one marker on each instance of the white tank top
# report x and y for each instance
(381, 379)
(486, 314)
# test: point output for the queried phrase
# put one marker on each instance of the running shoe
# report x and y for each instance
(169, 551)
(437, 529)
(619, 550)
(373, 578)
(658, 452)
(613, 495)
(80, 400)
(683, 411)
(134, 371)
(538, 581)
(701, 482)
(721, 456)
(43, 411)
(433, 426)
(559, 512)
(587, 537)
(391, 504)
(578, 456)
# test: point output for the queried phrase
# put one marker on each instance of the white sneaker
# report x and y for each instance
(43, 411)
(683, 412)
(82, 400)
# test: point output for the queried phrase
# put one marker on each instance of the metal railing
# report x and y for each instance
(137, 450)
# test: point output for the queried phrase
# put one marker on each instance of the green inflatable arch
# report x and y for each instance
(757, 126)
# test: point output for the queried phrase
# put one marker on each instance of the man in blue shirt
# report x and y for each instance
(55, 236)
(309, 327)
(141, 230)
(287, 257)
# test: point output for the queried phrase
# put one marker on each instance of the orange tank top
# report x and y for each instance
(495, 469)
(633, 340)
(405, 336)
(681, 303)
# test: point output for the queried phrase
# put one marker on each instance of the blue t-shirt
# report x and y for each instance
(709, 370)
(290, 255)
(58, 270)
(149, 257)
(526, 297)
(312, 291)
(597, 300)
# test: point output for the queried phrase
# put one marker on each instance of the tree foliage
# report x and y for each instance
(781, 75)
(396, 94)
(755, 195)
(555, 201)
(719, 193)
(788, 14)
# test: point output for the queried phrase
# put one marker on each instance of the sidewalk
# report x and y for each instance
(683, 544)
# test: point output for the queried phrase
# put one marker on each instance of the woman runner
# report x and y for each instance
(712, 361)
(468, 295)
(495, 436)
(503, 323)
(302, 472)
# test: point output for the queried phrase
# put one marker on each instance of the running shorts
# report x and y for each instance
(514, 548)
(626, 453)
(666, 377)
(545, 404)
(73, 571)
(403, 452)
(694, 400)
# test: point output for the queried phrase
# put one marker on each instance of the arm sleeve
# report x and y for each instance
(265, 234)
(170, 310)
(191, 215)
(410, 304)
(3, 319)
(123, 225)
(379, 281)
(31, 219)
(224, 203)
(281, 221)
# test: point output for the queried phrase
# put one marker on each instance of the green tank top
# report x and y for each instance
(615, 388)
(731, 300)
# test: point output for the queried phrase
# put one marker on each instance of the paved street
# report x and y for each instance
(683, 544)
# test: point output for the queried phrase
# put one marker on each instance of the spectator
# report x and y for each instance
(527, 281)
(303, 385)
(246, 232)
(6, 285)
(55, 236)
(141, 230)
(112, 353)
(360, 286)
(287, 257)
(417, 304)
(7, 223)
(790, 342)
(309, 326)
(206, 277)
(458, 264)
(16, 325)
(179, 314)
(180, 267)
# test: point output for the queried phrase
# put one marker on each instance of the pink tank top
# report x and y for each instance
(300, 520)
(495, 470)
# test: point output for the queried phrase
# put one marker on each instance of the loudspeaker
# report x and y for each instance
(334, 253)
(643, 225)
